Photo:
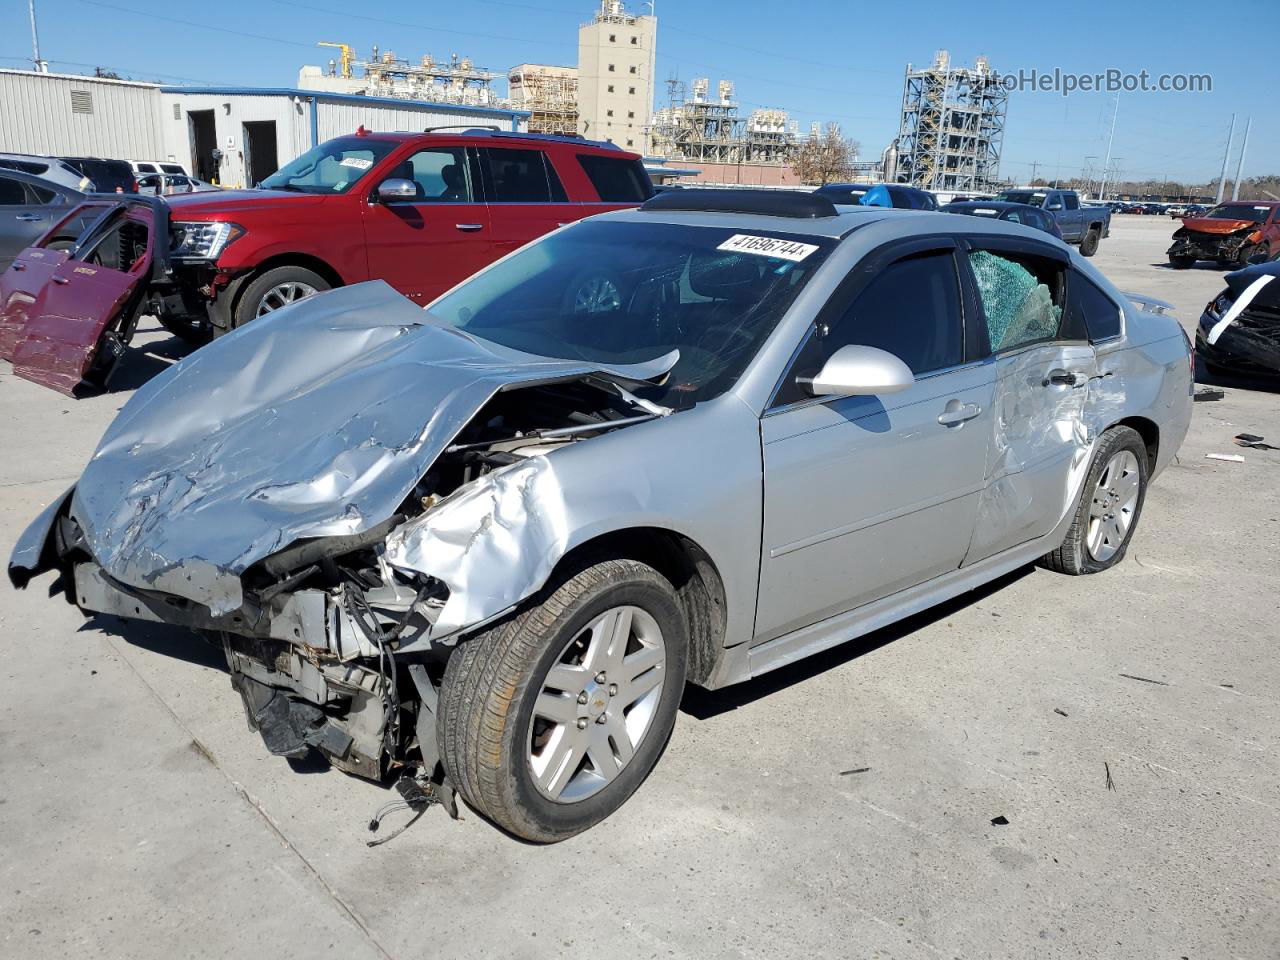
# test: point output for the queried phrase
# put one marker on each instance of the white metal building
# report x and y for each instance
(254, 130)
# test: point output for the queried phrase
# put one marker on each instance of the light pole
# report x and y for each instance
(41, 66)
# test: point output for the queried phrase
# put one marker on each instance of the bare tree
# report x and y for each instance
(826, 158)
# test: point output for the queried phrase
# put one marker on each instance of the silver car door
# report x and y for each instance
(865, 496)
(1043, 372)
(25, 214)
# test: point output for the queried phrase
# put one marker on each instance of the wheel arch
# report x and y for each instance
(1149, 430)
(692, 573)
(305, 260)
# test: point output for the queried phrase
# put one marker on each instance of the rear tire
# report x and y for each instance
(276, 288)
(1089, 243)
(508, 723)
(1109, 507)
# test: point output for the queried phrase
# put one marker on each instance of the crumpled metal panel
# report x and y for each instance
(316, 422)
(493, 542)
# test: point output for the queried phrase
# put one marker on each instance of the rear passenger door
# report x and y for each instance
(865, 496)
(1043, 369)
(526, 196)
(26, 212)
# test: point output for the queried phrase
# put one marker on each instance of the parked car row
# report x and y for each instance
(485, 547)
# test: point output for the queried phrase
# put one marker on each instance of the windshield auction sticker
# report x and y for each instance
(768, 247)
(358, 163)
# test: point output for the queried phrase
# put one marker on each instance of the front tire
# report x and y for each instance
(1110, 504)
(553, 717)
(276, 288)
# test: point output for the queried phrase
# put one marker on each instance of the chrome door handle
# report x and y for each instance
(1063, 378)
(62, 281)
(469, 227)
(28, 217)
(19, 265)
(958, 413)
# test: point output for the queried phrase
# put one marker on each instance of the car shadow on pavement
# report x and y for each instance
(142, 362)
(705, 704)
(170, 641)
(1207, 266)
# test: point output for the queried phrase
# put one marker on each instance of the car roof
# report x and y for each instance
(892, 222)
(532, 139)
(1245, 203)
(993, 204)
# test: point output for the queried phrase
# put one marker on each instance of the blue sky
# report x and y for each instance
(819, 60)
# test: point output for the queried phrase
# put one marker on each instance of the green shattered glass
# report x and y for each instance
(1019, 308)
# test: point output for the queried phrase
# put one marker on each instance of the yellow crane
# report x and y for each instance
(348, 56)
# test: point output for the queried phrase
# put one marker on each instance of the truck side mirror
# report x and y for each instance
(397, 189)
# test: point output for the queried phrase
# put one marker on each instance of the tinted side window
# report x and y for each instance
(1071, 200)
(1088, 308)
(440, 175)
(911, 309)
(11, 193)
(523, 176)
(616, 180)
(1021, 297)
(40, 195)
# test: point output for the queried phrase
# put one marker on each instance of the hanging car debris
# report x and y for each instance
(492, 540)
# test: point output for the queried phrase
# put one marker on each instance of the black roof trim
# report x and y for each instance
(795, 204)
(518, 135)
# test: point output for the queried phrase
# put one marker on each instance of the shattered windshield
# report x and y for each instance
(623, 292)
(1239, 212)
(332, 167)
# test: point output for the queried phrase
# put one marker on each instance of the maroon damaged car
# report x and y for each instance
(58, 307)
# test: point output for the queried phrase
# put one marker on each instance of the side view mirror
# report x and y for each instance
(1054, 206)
(857, 371)
(1259, 258)
(397, 188)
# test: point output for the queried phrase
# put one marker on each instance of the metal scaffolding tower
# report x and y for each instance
(703, 129)
(952, 126)
(550, 94)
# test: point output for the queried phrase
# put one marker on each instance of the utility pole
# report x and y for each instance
(1226, 155)
(41, 66)
(1102, 189)
(1034, 164)
(1244, 145)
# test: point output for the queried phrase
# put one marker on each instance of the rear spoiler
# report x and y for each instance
(117, 205)
(1149, 304)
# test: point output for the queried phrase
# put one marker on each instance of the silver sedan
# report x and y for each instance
(484, 546)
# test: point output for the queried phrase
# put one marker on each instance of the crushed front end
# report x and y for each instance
(338, 641)
(1192, 244)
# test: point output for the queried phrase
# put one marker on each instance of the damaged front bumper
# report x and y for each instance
(1197, 246)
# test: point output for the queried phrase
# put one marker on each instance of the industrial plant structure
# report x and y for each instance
(456, 80)
(711, 130)
(616, 61)
(952, 126)
(549, 93)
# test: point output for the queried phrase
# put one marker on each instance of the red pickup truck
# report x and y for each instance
(422, 211)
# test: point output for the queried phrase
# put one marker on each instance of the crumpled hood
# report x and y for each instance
(1217, 227)
(315, 422)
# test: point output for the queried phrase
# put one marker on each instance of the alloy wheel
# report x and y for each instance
(282, 295)
(597, 703)
(1114, 503)
(597, 295)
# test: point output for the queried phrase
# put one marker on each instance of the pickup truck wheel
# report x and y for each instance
(1181, 263)
(553, 717)
(61, 244)
(276, 288)
(1089, 243)
(1110, 504)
